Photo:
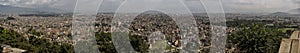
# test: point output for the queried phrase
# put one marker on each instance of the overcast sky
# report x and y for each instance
(239, 6)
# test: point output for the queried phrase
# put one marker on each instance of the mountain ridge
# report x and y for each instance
(294, 11)
(4, 9)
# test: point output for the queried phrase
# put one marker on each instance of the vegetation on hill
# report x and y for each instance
(105, 43)
(256, 38)
(40, 45)
(32, 44)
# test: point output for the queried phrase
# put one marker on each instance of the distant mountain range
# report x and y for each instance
(279, 13)
(4, 9)
(21, 10)
(288, 13)
(294, 11)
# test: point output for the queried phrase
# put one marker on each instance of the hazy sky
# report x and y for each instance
(251, 6)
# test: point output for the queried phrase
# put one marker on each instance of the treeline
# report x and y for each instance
(239, 23)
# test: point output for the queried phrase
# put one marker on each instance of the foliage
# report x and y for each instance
(256, 38)
(138, 43)
(33, 45)
(40, 45)
(31, 31)
(105, 44)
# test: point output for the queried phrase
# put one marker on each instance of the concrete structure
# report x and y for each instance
(291, 45)
(9, 49)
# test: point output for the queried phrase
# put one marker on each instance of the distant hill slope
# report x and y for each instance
(20, 10)
(279, 13)
(294, 11)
